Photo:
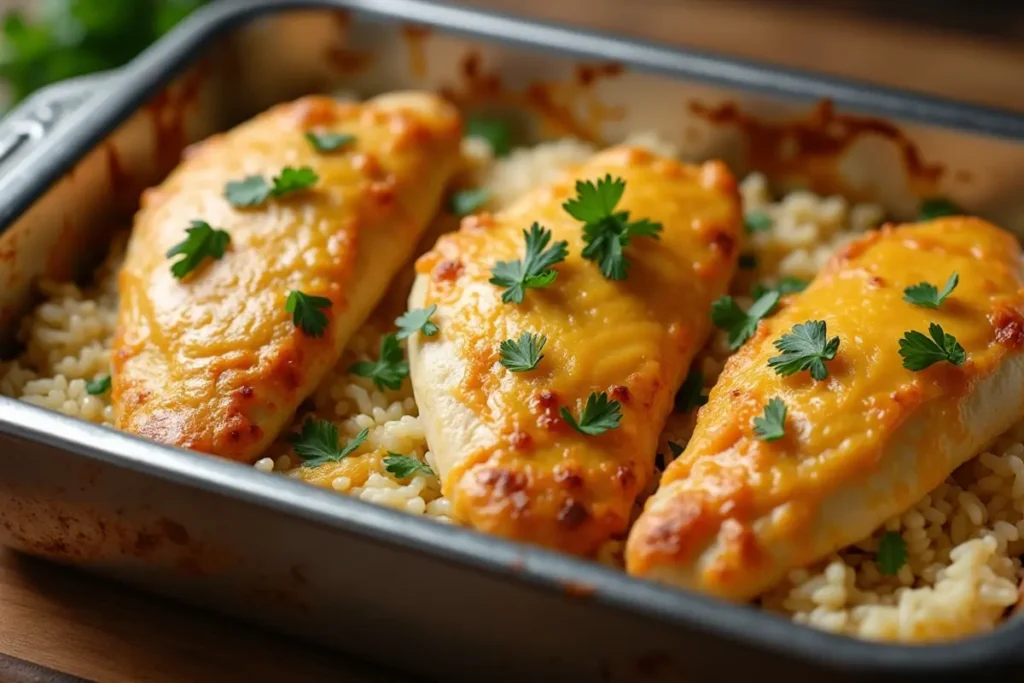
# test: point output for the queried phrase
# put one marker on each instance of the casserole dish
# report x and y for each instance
(353, 576)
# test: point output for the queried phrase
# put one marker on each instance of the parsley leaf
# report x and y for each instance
(605, 231)
(98, 386)
(892, 553)
(495, 133)
(416, 320)
(535, 270)
(676, 449)
(937, 207)
(691, 394)
(306, 313)
(317, 443)
(787, 285)
(252, 191)
(919, 352)
(772, 426)
(598, 416)
(329, 142)
(927, 295)
(806, 348)
(757, 221)
(389, 370)
(202, 241)
(740, 326)
(466, 202)
(524, 354)
(293, 180)
(404, 466)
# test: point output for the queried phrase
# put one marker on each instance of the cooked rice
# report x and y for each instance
(963, 539)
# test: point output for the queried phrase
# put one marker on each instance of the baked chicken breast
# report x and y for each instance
(895, 414)
(321, 202)
(510, 461)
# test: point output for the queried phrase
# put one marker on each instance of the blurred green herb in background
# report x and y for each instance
(56, 39)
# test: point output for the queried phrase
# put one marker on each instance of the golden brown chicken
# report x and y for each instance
(754, 496)
(299, 219)
(509, 439)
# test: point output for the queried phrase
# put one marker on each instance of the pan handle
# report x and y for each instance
(44, 111)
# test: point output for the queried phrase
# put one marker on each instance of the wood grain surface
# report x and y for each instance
(95, 630)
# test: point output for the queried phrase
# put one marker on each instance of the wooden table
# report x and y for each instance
(86, 627)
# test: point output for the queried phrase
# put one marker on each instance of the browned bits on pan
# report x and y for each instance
(572, 513)
(447, 270)
(586, 74)
(1009, 325)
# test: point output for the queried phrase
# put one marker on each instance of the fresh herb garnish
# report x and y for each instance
(416, 320)
(404, 466)
(927, 295)
(317, 443)
(523, 354)
(201, 242)
(676, 449)
(691, 394)
(254, 190)
(772, 426)
(740, 326)
(535, 271)
(605, 231)
(495, 133)
(389, 370)
(466, 202)
(306, 313)
(98, 386)
(787, 285)
(806, 348)
(329, 142)
(598, 416)
(937, 207)
(892, 553)
(757, 221)
(919, 352)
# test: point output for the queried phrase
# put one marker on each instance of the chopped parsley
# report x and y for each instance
(254, 190)
(389, 370)
(306, 312)
(807, 347)
(329, 142)
(523, 354)
(598, 416)
(497, 134)
(691, 394)
(98, 386)
(892, 553)
(757, 221)
(787, 285)
(317, 443)
(937, 207)
(201, 242)
(535, 270)
(919, 352)
(404, 466)
(772, 426)
(466, 202)
(927, 295)
(416, 320)
(605, 231)
(727, 315)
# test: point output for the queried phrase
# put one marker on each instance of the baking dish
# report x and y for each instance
(432, 600)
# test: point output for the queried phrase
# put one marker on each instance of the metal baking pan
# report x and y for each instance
(427, 599)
